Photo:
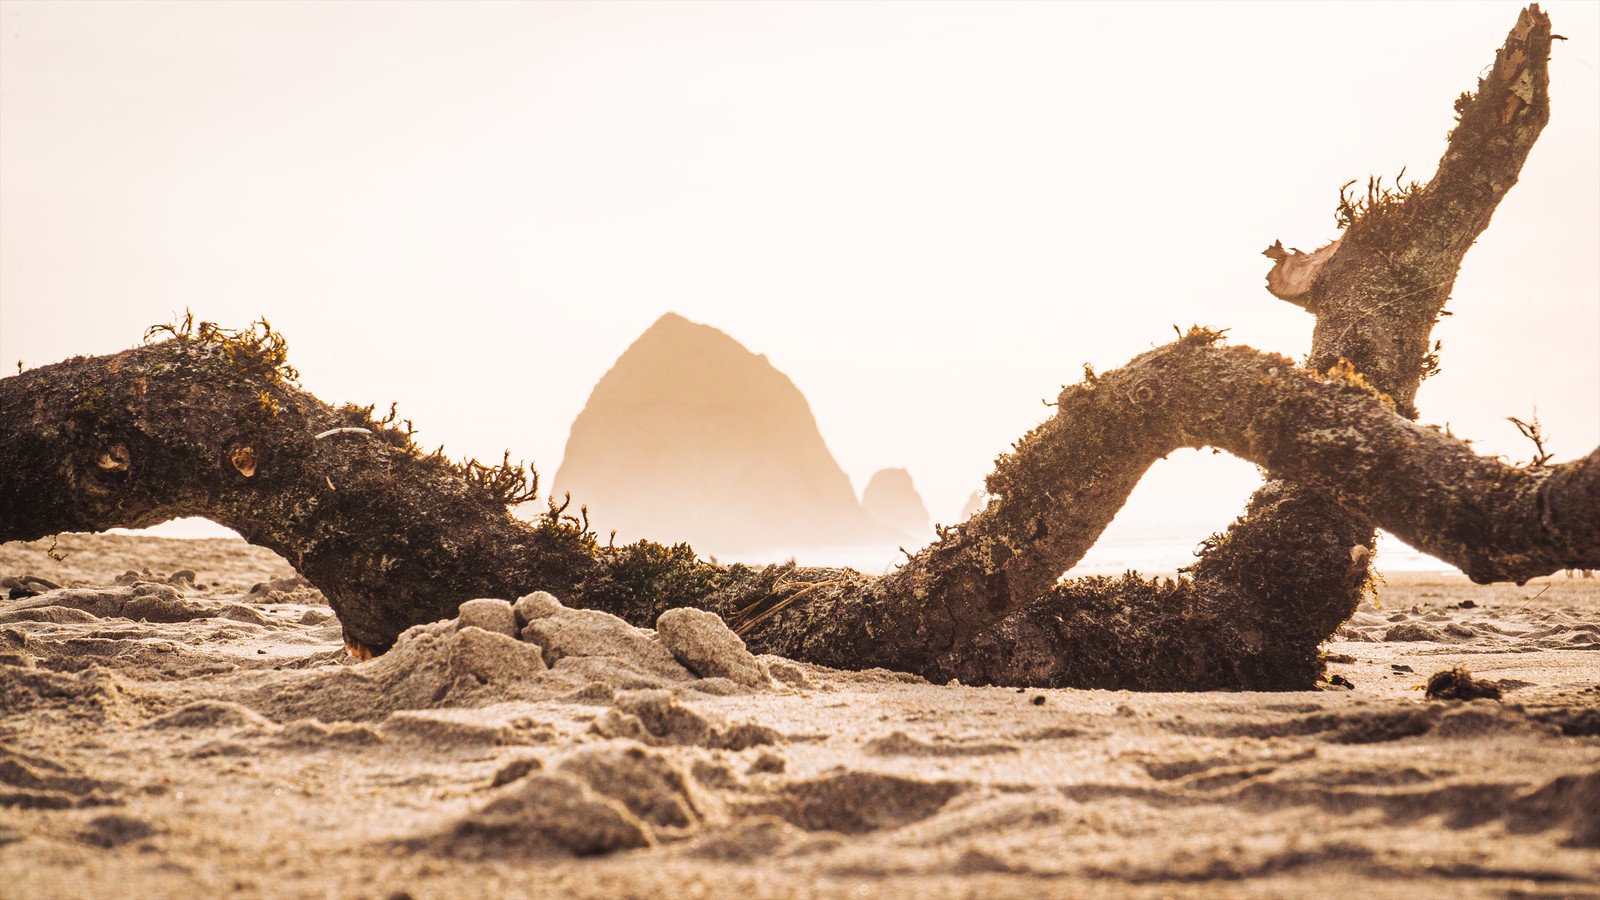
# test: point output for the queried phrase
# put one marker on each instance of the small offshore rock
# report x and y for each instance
(536, 605)
(704, 644)
(491, 615)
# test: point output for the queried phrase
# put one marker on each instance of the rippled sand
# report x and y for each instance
(169, 734)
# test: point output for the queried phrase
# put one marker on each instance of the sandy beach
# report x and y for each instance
(180, 719)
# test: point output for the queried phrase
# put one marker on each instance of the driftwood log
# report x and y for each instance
(209, 422)
(1290, 564)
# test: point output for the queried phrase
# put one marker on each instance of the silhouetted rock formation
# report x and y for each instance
(892, 499)
(692, 437)
(976, 501)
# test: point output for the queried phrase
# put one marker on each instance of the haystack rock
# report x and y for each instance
(892, 499)
(691, 437)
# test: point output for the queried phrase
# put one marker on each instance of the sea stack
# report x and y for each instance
(691, 437)
(891, 497)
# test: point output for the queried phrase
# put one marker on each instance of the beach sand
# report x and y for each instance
(169, 735)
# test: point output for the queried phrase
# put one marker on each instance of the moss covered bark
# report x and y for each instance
(210, 423)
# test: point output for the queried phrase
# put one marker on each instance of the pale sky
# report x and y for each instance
(928, 215)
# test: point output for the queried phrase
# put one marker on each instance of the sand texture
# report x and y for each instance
(180, 720)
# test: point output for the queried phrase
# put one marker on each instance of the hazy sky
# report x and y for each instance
(928, 215)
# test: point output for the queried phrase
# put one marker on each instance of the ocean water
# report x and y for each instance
(1113, 555)
(1145, 550)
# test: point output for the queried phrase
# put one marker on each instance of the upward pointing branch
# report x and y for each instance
(1378, 294)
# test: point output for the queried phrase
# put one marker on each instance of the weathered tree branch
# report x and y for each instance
(204, 427)
(1376, 292)
(395, 538)
(1296, 564)
(1068, 477)
(1378, 295)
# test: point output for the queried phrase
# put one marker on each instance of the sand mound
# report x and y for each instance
(649, 784)
(901, 744)
(32, 781)
(430, 666)
(457, 728)
(92, 694)
(598, 646)
(210, 714)
(656, 717)
(858, 802)
(536, 649)
(704, 644)
(542, 814)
